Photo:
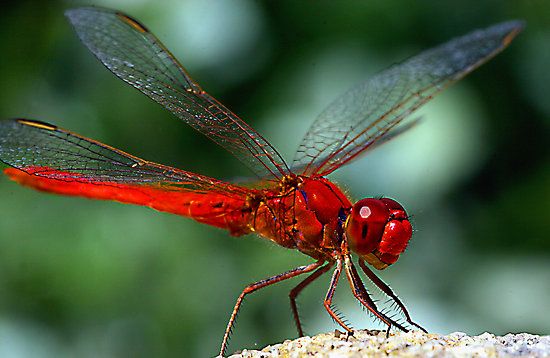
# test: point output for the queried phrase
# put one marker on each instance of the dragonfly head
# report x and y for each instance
(378, 230)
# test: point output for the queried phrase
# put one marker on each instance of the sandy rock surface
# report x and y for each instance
(412, 344)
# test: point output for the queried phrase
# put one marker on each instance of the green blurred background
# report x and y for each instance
(86, 278)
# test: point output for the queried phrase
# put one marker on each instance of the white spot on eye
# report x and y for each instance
(365, 212)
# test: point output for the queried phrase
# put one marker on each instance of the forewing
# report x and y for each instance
(374, 111)
(137, 57)
(43, 150)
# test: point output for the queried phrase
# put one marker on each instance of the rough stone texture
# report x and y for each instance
(412, 344)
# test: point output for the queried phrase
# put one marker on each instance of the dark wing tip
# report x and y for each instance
(36, 124)
(13, 122)
(76, 15)
(132, 22)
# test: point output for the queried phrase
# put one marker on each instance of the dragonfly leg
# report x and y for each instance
(330, 294)
(258, 285)
(388, 291)
(361, 294)
(296, 291)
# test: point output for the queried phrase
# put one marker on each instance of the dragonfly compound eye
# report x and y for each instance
(378, 230)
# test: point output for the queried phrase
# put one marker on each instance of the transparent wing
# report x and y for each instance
(137, 57)
(43, 150)
(373, 111)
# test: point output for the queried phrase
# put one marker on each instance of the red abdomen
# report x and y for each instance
(210, 208)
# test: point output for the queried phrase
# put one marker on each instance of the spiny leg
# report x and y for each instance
(296, 291)
(361, 294)
(388, 291)
(261, 284)
(365, 293)
(330, 294)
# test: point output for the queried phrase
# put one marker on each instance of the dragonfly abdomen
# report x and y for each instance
(214, 209)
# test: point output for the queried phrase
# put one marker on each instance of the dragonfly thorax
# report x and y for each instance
(319, 209)
(378, 230)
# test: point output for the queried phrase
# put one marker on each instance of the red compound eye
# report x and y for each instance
(378, 230)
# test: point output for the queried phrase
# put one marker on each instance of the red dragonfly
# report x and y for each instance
(294, 206)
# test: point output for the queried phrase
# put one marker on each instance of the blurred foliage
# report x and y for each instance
(84, 278)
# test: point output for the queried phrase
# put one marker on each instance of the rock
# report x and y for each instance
(412, 344)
